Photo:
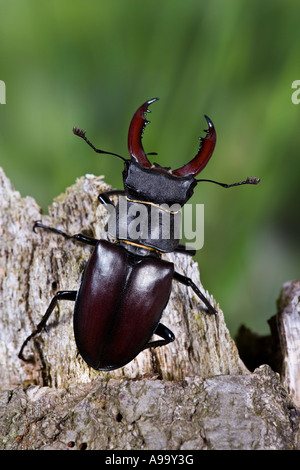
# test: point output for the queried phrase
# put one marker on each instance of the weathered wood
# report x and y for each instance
(280, 349)
(36, 265)
(288, 327)
(223, 412)
(195, 393)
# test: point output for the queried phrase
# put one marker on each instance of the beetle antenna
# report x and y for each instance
(81, 133)
(249, 180)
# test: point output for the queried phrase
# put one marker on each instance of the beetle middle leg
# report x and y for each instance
(60, 295)
(164, 333)
(188, 282)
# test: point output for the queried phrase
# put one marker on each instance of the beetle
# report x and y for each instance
(126, 284)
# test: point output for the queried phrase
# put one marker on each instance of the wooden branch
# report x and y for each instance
(195, 393)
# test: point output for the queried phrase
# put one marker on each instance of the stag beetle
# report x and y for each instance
(126, 285)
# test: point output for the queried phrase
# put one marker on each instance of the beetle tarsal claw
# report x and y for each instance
(35, 225)
(79, 132)
(252, 180)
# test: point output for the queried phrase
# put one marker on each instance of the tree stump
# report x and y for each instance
(195, 393)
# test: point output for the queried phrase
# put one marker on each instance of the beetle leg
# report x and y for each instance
(80, 237)
(188, 282)
(164, 333)
(185, 250)
(61, 295)
(105, 199)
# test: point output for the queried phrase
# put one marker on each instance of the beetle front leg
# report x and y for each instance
(188, 282)
(80, 237)
(104, 198)
(185, 250)
(61, 295)
(164, 333)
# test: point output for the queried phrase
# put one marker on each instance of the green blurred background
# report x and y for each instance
(92, 63)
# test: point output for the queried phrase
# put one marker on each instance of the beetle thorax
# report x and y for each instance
(156, 185)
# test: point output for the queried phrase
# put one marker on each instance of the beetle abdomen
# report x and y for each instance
(119, 305)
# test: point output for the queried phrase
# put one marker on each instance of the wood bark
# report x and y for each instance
(280, 349)
(287, 322)
(195, 393)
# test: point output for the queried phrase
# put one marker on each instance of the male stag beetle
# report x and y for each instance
(126, 285)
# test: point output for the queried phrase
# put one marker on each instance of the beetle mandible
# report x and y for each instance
(126, 285)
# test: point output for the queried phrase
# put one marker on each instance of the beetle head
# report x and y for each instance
(151, 182)
(144, 181)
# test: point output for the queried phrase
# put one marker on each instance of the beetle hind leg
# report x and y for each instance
(164, 333)
(188, 282)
